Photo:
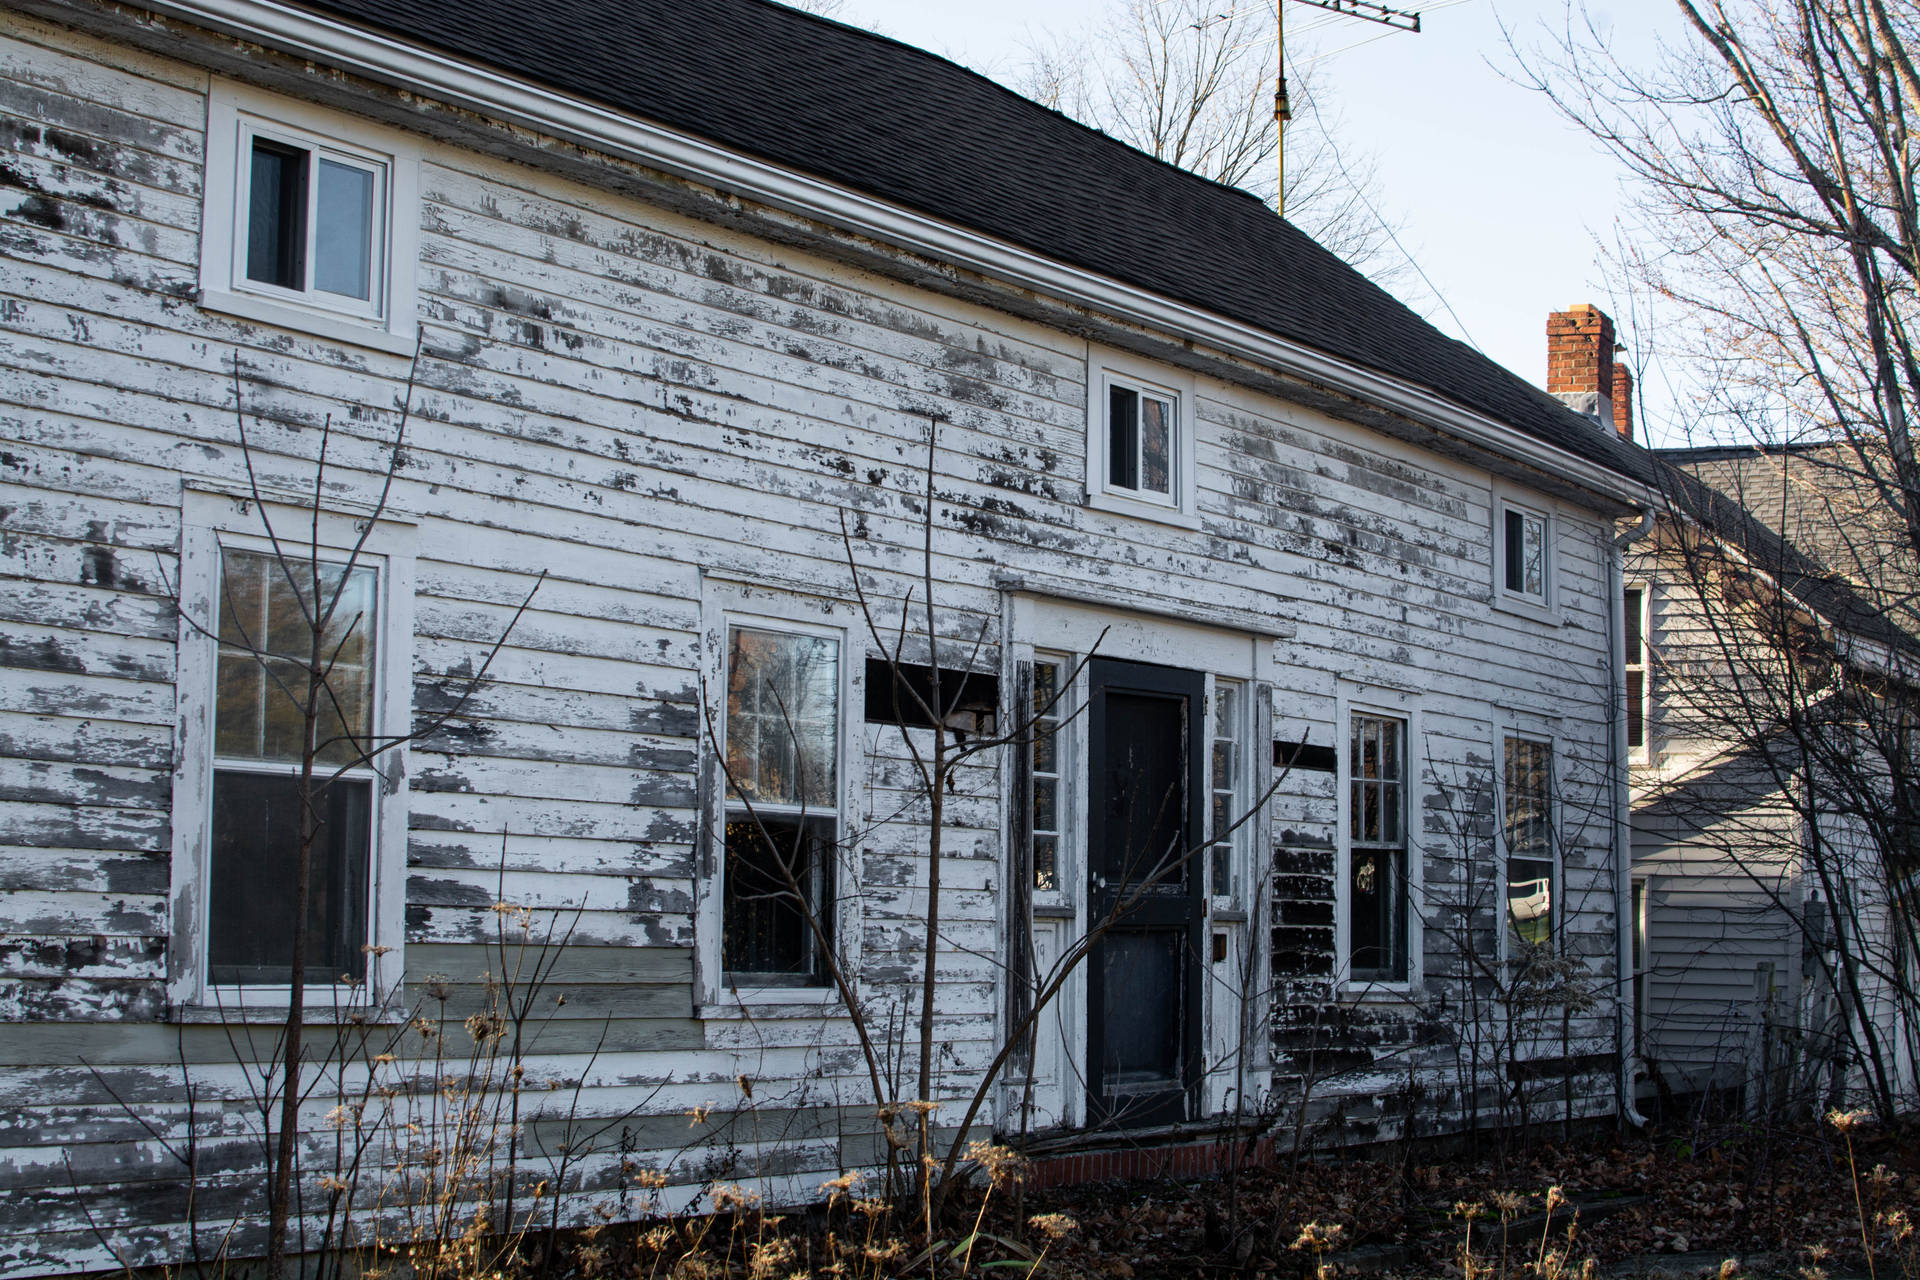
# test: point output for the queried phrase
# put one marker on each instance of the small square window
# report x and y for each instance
(1524, 553)
(312, 223)
(1523, 568)
(308, 221)
(1140, 447)
(1140, 438)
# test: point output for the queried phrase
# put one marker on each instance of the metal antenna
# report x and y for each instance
(1282, 112)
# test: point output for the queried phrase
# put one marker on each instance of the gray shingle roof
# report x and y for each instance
(911, 128)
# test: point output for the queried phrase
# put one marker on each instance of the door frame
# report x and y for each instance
(1223, 643)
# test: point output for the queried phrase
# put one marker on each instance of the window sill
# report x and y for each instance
(741, 996)
(337, 328)
(1119, 504)
(1526, 607)
(325, 1011)
(1370, 991)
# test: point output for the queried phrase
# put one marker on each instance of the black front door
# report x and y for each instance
(1143, 829)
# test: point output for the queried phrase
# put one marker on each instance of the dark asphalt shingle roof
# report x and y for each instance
(1815, 585)
(914, 129)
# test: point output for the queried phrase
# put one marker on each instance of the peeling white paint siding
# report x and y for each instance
(621, 397)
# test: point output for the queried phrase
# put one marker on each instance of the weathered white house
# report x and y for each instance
(744, 328)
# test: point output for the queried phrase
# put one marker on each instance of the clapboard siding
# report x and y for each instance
(612, 399)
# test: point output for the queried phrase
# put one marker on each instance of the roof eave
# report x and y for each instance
(415, 68)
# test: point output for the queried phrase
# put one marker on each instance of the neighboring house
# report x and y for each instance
(689, 296)
(1769, 662)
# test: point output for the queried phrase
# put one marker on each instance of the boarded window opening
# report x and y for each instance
(901, 695)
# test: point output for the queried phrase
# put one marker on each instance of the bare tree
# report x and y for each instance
(1192, 83)
(1773, 159)
(309, 678)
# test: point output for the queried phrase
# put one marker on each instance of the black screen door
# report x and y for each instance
(1143, 818)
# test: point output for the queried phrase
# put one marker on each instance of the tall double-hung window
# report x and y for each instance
(1527, 828)
(783, 693)
(1377, 847)
(265, 633)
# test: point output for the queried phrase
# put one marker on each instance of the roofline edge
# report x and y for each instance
(412, 67)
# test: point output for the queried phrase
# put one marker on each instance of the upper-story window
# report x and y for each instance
(1633, 608)
(1140, 447)
(1523, 568)
(315, 219)
(308, 220)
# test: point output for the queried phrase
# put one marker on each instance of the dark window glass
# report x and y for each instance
(1123, 438)
(1515, 535)
(1636, 707)
(277, 215)
(256, 850)
(1043, 801)
(778, 873)
(1631, 603)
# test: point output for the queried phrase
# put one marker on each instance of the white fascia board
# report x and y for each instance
(418, 70)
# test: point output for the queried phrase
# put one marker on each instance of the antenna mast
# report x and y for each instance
(1282, 112)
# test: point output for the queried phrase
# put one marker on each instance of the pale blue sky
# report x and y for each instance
(1500, 202)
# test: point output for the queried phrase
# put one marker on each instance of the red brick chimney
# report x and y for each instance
(1622, 401)
(1580, 366)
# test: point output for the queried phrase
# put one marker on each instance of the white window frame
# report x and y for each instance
(1544, 606)
(1107, 370)
(1642, 754)
(211, 521)
(236, 115)
(724, 606)
(1529, 731)
(1373, 700)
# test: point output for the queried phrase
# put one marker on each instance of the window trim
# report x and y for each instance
(1525, 730)
(1373, 700)
(1109, 369)
(389, 320)
(1545, 606)
(209, 521)
(726, 605)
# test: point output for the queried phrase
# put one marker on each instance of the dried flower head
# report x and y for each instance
(651, 1179)
(1053, 1226)
(697, 1116)
(1319, 1237)
(728, 1198)
(1848, 1121)
(768, 1257)
(1468, 1209)
(1555, 1198)
(1003, 1164)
